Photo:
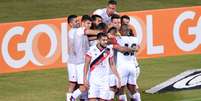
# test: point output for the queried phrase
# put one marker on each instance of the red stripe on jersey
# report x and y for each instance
(114, 40)
(92, 67)
(116, 46)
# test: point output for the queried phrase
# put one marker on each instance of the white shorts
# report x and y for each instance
(80, 73)
(113, 81)
(137, 74)
(99, 90)
(127, 74)
(72, 72)
(137, 71)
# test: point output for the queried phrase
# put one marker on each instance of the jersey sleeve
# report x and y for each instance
(97, 12)
(80, 31)
(89, 53)
(111, 50)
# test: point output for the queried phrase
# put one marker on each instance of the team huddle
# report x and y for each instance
(102, 57)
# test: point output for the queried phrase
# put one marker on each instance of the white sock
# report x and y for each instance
(68, 96)
(122, 97)
(76, 93)
(136, 96)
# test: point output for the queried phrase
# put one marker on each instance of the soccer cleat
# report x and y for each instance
(72, 99)
(68, 96)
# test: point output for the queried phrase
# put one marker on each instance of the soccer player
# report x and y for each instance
(117, 48)
(127, 64)
(99, 63)
(74, 24)
(96, 19)
(125, 19)
(102, 27)
(107, 12)
(81, 44)
(116, 22)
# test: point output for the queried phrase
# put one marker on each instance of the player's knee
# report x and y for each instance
(83, 88)
(72, 84)
(132, 89)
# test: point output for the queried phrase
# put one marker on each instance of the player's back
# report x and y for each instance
(126, 57)
(71, 49)
(81, 45)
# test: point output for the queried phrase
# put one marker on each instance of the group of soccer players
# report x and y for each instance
(102, 57)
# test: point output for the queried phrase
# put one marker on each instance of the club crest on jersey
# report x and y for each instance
(104, 54)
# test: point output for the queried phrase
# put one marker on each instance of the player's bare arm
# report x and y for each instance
(124, 49)
(86, 68)
(91, 38)
(91, 32)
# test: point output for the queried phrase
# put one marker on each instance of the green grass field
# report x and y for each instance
(50, 85)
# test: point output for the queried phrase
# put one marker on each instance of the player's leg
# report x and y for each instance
(137, 75)
(112, 84)
(93, 92)
(123, 72)
(121, 94)
(105, 93)
(72, 80)
(135, 95)
(137, 71)
(82, 89)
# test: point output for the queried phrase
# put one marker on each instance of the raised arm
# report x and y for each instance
(91, 38)
(124, 49)
(91, 32)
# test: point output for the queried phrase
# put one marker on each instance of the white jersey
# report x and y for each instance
(81, 45)
(127, 57)
(71, 49)
(99, 66)
(102, 12)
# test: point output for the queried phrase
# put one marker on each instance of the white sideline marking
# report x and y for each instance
(170, 81)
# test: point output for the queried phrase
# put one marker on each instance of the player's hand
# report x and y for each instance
(86, 83)
(133, 49)
(118, 83)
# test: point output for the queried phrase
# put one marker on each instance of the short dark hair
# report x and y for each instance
(94, 17)
(125, 17)
(101, 34)
(112, 29)
(71, 17)
(115, 16)
(102, 26)
(113, 2)
(85, 18)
